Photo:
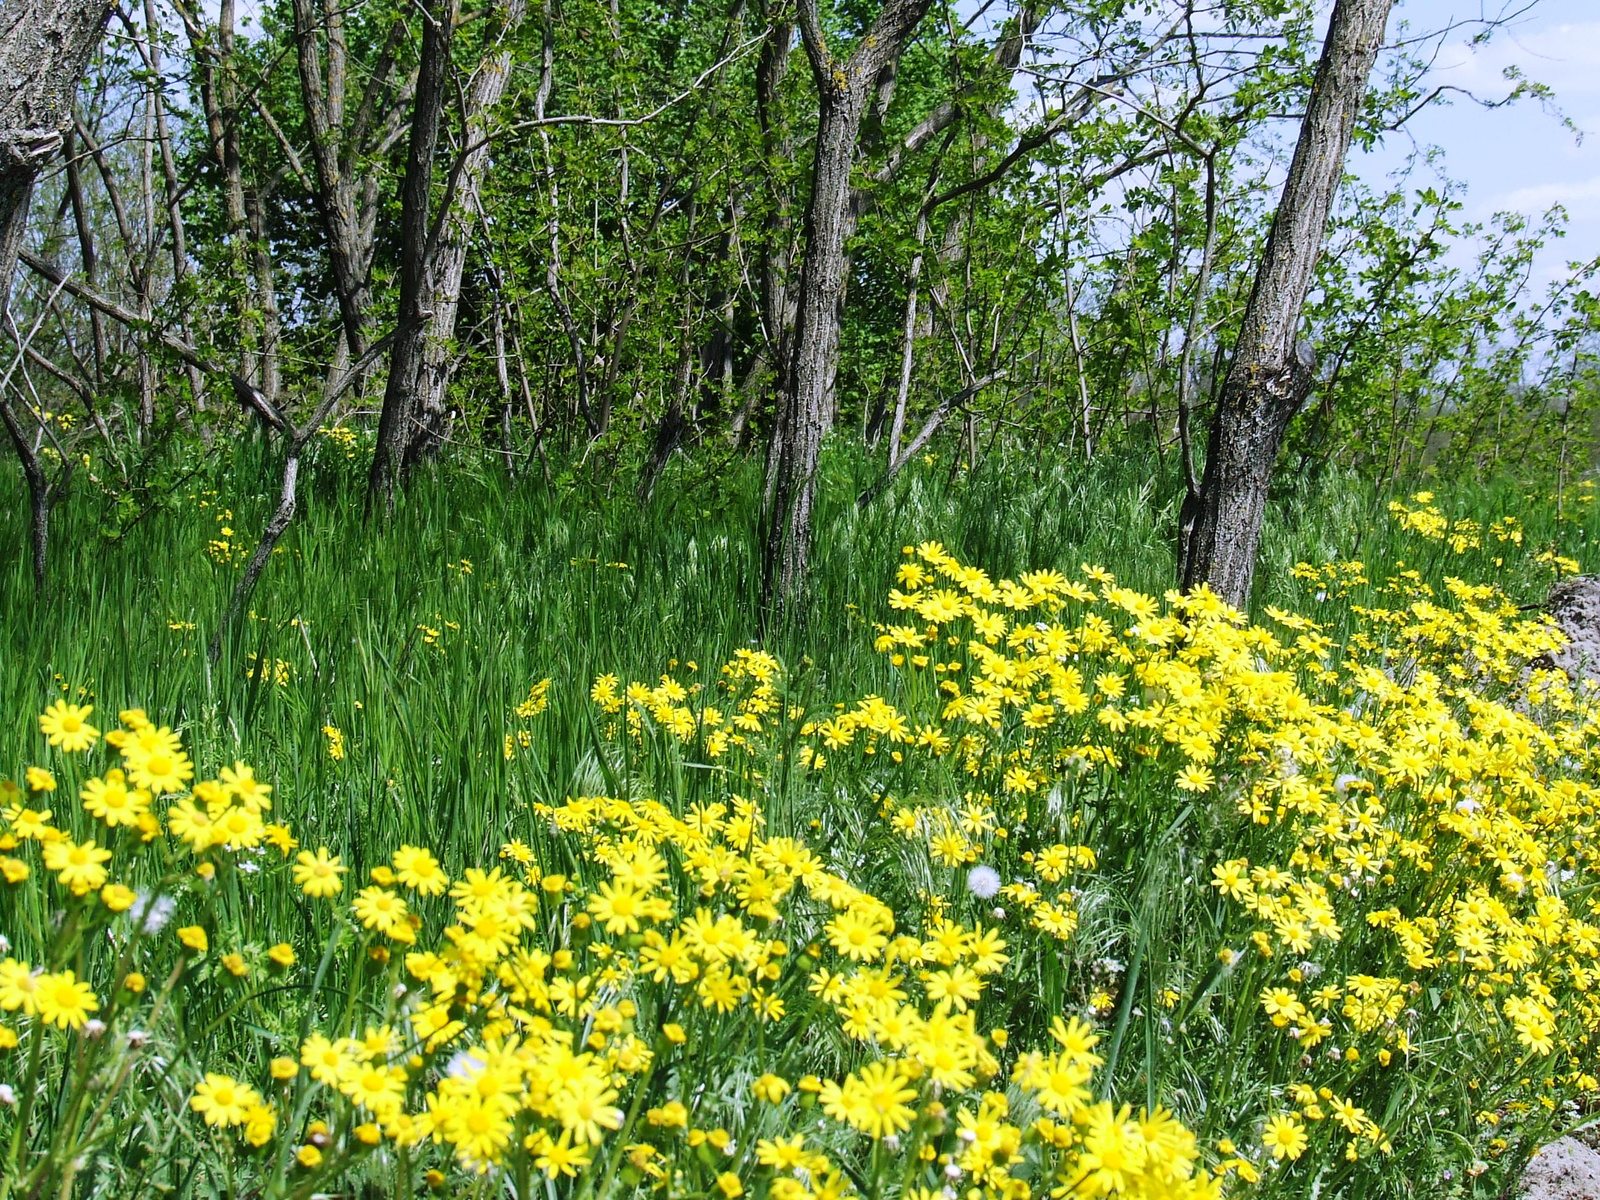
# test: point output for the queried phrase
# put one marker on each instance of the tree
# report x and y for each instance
(1270, 375)
(804, 391)
(45, 46)
(400, 394)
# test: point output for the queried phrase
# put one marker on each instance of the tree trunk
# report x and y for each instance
(805, 382)
(776, 240)
(45, 47)
(400, 395)
(1270, 378)
(449, 257)
(346, 200)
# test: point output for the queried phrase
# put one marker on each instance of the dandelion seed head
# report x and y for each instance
(983, 882)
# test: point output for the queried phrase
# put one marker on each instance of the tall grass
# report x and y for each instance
(416, 636)
(376, 676)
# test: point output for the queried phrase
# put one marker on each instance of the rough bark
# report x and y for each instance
(45, 47)
(844, 89)
(416, 189)
(448, 257)
(346, 200)
(777, 146)
(1270, 375)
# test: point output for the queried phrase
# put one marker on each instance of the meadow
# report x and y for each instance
(498, 853)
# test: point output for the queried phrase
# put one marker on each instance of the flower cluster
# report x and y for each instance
(512, 1019)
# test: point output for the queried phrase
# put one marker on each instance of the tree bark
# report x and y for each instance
(776, 254)
(346, 201)
(449, 257)
(416, 190)
(45, 47)
(1270, 376)
(805, 383)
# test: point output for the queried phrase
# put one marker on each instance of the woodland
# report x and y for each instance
(597, 241)
(839, 599)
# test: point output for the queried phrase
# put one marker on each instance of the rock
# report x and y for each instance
(1574, 606)
(1566, 1169)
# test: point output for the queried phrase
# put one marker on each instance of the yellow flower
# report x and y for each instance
(873, 1101)
(78, 866)
(192, 823)
(235, 966)
(418, 869)
(162, 769)
(284, 1068)
(111, 800)
(560, 1157)
(30, 824)
(783, 1153)
(117, 897)
(335, 742)
(373, 1086)
(771, 1088)
(584, 1107)
(40, 780)
(259, 1123)
(65, 1001)
(279, 837)
(194, 938)
(239, 781)
(669, 1116)
(67, 726)
(221, 1100)
(728, 1184)
(326, 1060)
(318, 874)
(19, 987)
(282, 954)
(1285, 1136)
(380, 909)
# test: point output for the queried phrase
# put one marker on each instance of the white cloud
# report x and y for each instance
(1580, 197)
(1564, 56)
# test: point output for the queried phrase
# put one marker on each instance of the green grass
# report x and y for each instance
(344, 601)
(417, 637)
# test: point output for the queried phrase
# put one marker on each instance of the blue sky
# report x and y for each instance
(1521, 157)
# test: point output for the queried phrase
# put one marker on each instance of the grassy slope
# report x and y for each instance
(344, 604)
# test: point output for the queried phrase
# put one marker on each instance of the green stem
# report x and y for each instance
(25, 1113)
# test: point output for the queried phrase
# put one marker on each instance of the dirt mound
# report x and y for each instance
(1564, 1170)
(1574, 605)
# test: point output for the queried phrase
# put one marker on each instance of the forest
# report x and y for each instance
(803, 598)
